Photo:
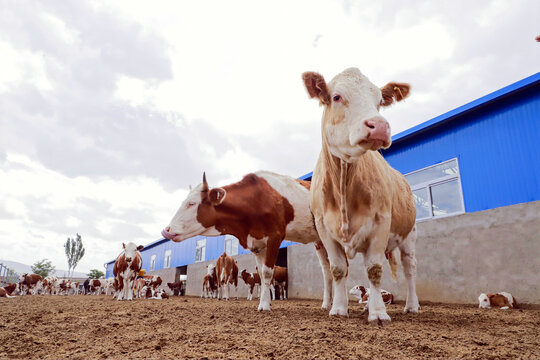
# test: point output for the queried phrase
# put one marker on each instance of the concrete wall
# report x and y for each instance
(168, 275)
(459, 257)
(197, 271)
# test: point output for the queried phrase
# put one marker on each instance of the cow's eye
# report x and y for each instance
(190, 204)
(336, 98)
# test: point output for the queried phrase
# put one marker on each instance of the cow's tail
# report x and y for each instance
(393, 262)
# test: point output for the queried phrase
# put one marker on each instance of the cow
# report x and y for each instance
(261, 210)
(8, 290)
(155, 282)
(281, 279)
(176, 287)
(209, 287)
(140, 283)
(30, 283)
(359, 203)
(159, 295)
(251, 281)
(227, 274)
(501, 300)
(362, 294)
(125, 270)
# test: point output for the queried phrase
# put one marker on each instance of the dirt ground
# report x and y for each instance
(83, 327)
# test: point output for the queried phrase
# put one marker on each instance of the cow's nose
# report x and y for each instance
(378, 129)
(128, 259)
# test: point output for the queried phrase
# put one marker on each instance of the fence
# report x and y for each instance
(7, 275)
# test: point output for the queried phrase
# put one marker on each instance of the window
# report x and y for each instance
(437, 190)
(167, 260)
(153, 262)
(200, 250)
(231, 245)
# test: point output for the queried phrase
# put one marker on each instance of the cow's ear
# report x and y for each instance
(394, 92)
(140, 247)
(316, 87)
(217, 195)
(123, 246)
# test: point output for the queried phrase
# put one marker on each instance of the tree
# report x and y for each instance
(74, 252)
(95, 274)
(43, 267)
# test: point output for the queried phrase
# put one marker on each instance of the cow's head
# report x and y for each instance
(210, 269)
(351, 122)
(197, 214)
(483, 301)
(130, 251)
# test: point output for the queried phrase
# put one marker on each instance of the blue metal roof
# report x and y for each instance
(453, 114)
(146, 247)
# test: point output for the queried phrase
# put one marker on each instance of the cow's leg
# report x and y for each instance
(327, 276)
(130, 289)
(120, 292)
(373, 260)
(266, 274)
(408, 259)
(273, 291)
(339, 268)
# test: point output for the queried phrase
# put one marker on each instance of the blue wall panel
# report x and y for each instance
(496, 147)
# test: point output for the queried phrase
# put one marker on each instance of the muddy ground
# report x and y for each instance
(97, 327)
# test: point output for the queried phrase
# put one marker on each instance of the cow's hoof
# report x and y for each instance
(381, 319)
(264, 307)
(411, 309)
(339, 312)
(325, 306)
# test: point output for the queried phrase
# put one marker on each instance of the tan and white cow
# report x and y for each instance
(125, 270)
(227, 274)
(261, 210)
(281, 279)
(501, 300)
(360, 204)
(30, 283)
(209, 286)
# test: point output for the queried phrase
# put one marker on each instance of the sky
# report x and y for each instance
(109, 110)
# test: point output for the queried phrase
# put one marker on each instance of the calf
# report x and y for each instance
(155, 282)
(281, 279)
(8, 290)
(4, 293)
(362, 294)
(176, 287)
(501, 300)
(251, 281)
(261, 210)
(359, 203)
(140, 283)
(209, 287)
(227, 273)
(30, 283)
(159, 295)
(125, 270)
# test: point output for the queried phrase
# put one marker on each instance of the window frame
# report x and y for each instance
(231, 240)
(438, 181)
(197, 247)
(167, 259)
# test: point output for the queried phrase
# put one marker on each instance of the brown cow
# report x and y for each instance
(261, 210)
(359, 203)
(281, 279)
(209, 287)
(125, 270)
(501, 300)
(29, 283)
(227, 274)
(6, 291)
(176, 287)
(251, 280)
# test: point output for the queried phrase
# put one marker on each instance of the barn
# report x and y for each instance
(475, 175)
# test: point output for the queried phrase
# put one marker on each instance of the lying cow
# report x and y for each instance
(362, 294)
(159, 295)
(30, 283)
(251, 281)
(8, 290)
(501, 300)
(261, 210)
(125, 270)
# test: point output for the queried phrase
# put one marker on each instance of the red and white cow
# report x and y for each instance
(281, 279)
(501, 300)
(251, 281)
(227, 273)
(362, 294)
(261, 210)
(176, 287)
(359, 203)
(125, 270)
(30, 283)
(209, 287)
(8, 290)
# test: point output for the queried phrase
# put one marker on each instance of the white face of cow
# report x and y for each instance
(185, 223)
(483, 302)
(210, 269)
(352, 124)
(130, 251)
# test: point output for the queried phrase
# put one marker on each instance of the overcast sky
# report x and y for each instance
(109, 110)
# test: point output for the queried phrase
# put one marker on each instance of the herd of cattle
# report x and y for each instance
(355, 203)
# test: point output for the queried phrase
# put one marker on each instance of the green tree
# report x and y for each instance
(74, 252)
(95, 274)
(43, 267)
